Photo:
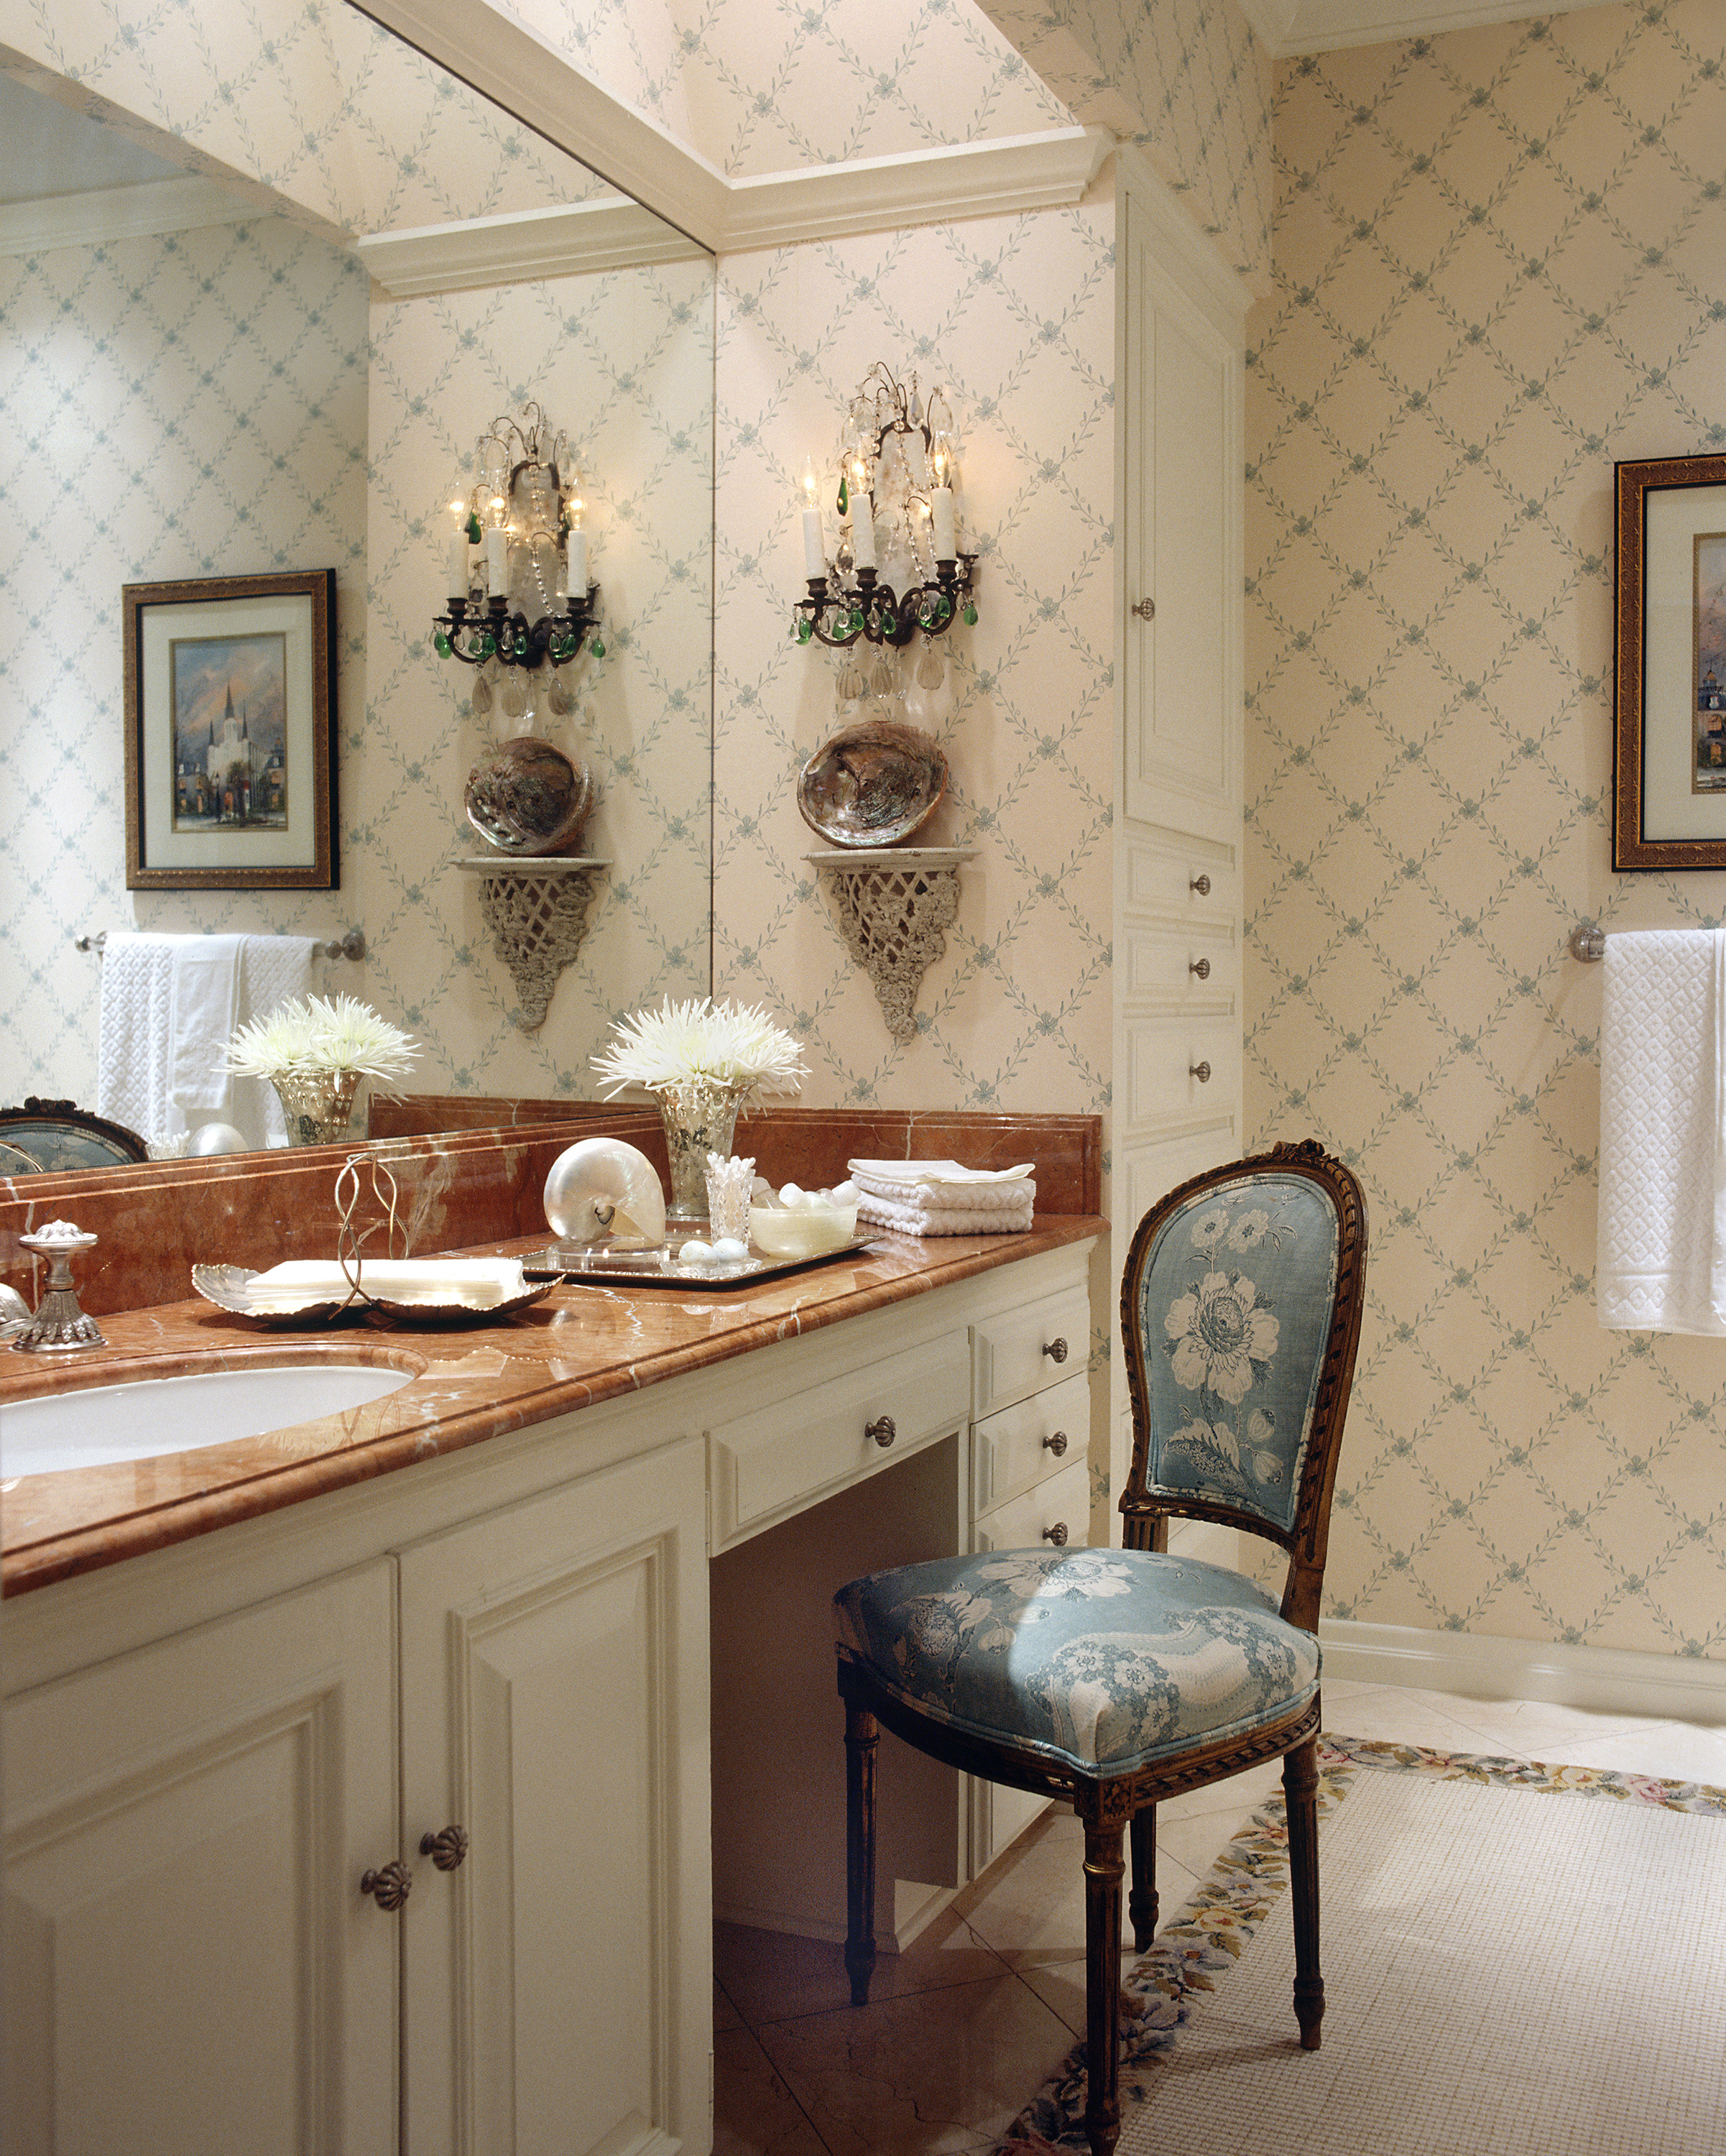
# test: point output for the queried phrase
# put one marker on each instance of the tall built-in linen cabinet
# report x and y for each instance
(1175, 1101)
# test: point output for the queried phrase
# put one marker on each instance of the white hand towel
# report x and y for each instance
(132, 1033)
(203, 999)
(920, 1174)
(948, 1211)
(273, 970)
(1661, 1264)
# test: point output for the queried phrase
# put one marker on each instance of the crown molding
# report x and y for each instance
(132, 212)
(1290, 28)
(613, 233)
(998, 178)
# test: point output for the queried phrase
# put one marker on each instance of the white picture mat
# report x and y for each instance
(290, 615)
(1673, 515)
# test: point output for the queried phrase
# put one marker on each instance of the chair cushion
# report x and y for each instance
(1104, 1659)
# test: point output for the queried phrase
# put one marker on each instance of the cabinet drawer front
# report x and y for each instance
(1014, 1354)
(1024, 1522)
(764, 1466)
(1164, 1057)
(1180, 968)
(1021, 1445)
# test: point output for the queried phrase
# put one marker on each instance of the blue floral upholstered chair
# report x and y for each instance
(1112, 1679)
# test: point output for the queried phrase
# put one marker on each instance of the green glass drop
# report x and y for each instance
(442, 645)
(942, 610)
(488, 646)
(857, 619)
(970, 616)
(803, 631)
(844, 498)
(598, 648)
(474, 534)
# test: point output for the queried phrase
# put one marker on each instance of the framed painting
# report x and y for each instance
(230, 733)
(1669, 720)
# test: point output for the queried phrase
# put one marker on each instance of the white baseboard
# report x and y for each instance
(1477, 1665)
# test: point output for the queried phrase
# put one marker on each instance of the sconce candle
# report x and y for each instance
(862, 530)
(497, 562)
(815, 559)
(456, 585)
(575, 548)
(946, 544)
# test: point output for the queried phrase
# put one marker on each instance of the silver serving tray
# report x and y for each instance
(226, 1286)
(572, 1264)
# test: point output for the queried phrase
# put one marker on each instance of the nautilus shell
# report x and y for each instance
(604, 1190)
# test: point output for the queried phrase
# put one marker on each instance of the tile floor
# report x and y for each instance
(960, 2031)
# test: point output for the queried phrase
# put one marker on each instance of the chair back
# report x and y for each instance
(1240, 1315)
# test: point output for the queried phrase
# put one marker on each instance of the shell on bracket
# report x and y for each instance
(601, 1190)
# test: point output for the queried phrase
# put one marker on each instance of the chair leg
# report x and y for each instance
(863, 1737)
(1300, 1789)
(1142, 1904)
(1104, 1873)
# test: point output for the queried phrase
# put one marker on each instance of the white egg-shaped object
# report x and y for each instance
(209, 1139)
(729, 1251)
(603, 1188)
(695, 1251)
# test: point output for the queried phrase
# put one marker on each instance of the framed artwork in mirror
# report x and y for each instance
(1669, 717)
(230, 733)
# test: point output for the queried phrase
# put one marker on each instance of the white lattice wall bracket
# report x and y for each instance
(537, 913)
(895, 905)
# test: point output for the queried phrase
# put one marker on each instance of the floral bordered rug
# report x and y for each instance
(1193, 1953)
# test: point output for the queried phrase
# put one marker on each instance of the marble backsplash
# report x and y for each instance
(460, 1186)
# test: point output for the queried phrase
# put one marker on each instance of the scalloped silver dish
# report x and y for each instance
(873, 784)
(225, 1285)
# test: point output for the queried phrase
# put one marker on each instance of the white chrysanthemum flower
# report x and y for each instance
(1220, 1330)
(321, 1034)
(724, 1043)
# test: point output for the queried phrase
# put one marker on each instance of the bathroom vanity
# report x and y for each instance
(357, 1776)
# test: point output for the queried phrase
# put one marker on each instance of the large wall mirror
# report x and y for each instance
(262, 330)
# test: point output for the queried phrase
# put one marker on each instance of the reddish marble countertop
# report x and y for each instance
(582, 1345)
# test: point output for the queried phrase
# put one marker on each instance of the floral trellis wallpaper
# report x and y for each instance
(1187, 80)
(1500, 262)
(765, 89)
(624, 360)
(192, 405)
(1016, 317)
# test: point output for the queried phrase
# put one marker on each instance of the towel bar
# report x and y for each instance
(351, 946)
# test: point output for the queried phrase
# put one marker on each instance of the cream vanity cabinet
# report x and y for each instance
(191, 1963)
(504, 1659)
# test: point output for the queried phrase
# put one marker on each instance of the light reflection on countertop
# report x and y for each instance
(582, 1344)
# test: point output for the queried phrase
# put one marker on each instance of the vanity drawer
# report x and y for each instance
(1024, 1522)
(764, 1466)
(1023, 1445)
(1027, 1350)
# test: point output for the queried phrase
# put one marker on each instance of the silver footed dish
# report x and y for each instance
(873, 784)
(227, 1286)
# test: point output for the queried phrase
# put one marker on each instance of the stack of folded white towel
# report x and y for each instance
(940, 1198)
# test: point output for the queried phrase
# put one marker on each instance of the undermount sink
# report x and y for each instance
(99, 1425)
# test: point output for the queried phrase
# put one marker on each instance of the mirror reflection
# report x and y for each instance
(203, 375)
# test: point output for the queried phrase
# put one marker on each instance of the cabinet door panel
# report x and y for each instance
(555, 1705)
(190, 1963)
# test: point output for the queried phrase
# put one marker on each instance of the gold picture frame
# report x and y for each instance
(230, 733)
(1669, 709)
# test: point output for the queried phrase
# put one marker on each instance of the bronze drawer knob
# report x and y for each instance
(1056, 1350)
(1057, 1534)
(1201, 968)
(388, 1886)
(445, 1848)
(1201, 1071)
(1201, 885)
(1056, 1443)
(882, 1430)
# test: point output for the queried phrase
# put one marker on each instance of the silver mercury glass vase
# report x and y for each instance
(318, 1106)
(700, 1117)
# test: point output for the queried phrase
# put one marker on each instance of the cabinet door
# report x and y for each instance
(554, 1682)
(190, 1965)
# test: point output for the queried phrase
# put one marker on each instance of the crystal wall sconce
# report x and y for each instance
(898, 567)
(517, 563)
